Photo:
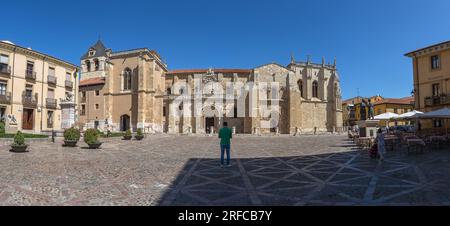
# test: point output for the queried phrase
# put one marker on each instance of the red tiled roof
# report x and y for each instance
(405, 100)
(191, 71)
(92, 81)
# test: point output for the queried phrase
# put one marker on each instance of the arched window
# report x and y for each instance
(315, 89)
(300, 87)
(88, 65)
(169, 91)
(96, 64)
(127, 79)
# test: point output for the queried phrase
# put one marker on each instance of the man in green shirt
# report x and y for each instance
(225, 135)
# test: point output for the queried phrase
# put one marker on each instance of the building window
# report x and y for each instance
(29, 91)
(395, 110)
(4, 62)
(164, 112)
(50, 119)
(435, 89)
(68, 76)
(2, 88)
(91, 53)
(168, 91)
(97, 92)
(435, 62)
(30, 68)
(300, 87)
(50, 94)
(83, 109)
(96, 106)
(127, 79)
(88, 65)
(96, 65)
(315, 89)
(437, 123)
(235, 112)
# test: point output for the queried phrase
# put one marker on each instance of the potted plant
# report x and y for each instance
(139, 135)
(91, 138)
(71, 137)
(19, 143)
(128, 135)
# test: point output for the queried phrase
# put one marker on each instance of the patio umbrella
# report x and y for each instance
(386, 117)
(411, 115)
(441, 113)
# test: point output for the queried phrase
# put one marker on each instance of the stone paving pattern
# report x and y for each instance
(184, 170)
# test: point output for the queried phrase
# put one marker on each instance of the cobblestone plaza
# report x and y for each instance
(184, 170)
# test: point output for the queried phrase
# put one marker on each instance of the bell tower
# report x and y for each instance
(95, 62)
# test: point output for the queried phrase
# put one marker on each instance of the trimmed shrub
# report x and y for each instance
(72, 134)
(91, 136)
(139, 132)
(19, 139)
(128, 133)
(2, 127)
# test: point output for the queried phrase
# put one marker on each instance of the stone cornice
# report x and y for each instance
(430, 49)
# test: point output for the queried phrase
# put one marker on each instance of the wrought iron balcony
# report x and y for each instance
(51, 103)
(5, 71)
(30, 75)
(437, 100)
(51, 80)
(5, 98)
(29, 101)
(69, 84)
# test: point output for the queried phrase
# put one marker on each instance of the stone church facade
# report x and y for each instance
(121, 90)
(133, 89)
(309, 100)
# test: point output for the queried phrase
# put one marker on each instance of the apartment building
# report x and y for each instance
(37, 92)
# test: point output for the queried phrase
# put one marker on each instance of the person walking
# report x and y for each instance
(225, 136)
(381, 144)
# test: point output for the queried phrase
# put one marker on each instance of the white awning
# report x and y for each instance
(386, 116)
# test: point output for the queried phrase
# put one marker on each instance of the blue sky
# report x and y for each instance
(368, 38)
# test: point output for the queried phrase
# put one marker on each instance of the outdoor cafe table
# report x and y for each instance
(416, 144)
(437, 141)
(391, 142)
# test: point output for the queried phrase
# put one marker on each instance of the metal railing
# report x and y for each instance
(5, 70)
(30, 74)
(68, 84)
(29, 101)
(5, 98)
(437, 100)
(51, 80)
(51, 103)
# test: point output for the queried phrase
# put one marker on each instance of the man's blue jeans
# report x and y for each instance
(224, 148)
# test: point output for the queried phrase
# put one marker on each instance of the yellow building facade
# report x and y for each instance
(431, 73)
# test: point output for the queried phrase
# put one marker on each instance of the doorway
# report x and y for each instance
(27, 119)
(209, 122)
(124, 122)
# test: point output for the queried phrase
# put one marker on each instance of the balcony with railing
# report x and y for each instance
(30, 75)
(437, 100)
(51, 103)
(5, 71)
(51, 80)
(5, 98)
(69, 84)
(83, 112)
(29, 101)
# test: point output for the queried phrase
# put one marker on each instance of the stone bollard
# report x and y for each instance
(234, 130)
